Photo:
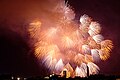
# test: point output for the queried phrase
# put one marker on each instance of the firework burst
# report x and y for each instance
(67, 45)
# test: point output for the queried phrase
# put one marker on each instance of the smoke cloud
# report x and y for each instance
(15, 15)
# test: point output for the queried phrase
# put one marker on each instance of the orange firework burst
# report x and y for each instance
(67, 45)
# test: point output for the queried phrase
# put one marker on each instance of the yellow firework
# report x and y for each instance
(63, 44)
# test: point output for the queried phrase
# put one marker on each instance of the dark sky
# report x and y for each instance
(15, 54)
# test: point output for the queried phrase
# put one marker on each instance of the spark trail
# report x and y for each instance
(64, 44)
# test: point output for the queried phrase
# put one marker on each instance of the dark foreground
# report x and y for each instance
(55, 77)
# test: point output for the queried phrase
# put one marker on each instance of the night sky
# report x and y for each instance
(16, 56)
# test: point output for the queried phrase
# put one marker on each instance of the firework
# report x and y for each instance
(64, 44)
